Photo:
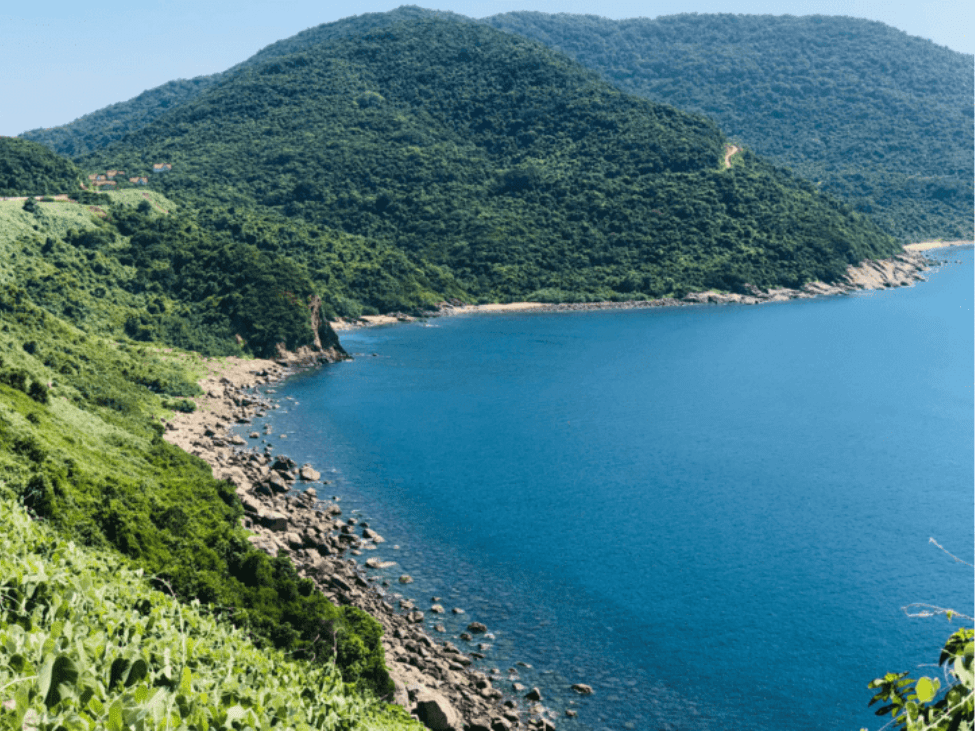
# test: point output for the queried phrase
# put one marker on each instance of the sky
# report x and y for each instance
(60, 59)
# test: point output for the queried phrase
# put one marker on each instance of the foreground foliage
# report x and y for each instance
(85, 643)
(919, 705)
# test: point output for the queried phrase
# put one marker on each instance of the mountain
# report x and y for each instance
(869, 113)
(512, 170)
(28, 168)
(875, 116)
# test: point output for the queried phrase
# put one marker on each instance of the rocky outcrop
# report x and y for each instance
(325, 346)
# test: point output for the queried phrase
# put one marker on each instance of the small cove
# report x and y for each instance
(711, 515)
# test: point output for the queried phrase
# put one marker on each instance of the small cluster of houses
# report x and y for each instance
(108, 179)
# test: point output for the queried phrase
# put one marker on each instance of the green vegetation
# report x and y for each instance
(917, 705)
(86, 643)
(510, 170)
(80, 440)
(878, 118)
(104, 126)
(28, 168)
(867, 112)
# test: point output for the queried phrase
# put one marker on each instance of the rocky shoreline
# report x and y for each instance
(898, 271)
(435, 681)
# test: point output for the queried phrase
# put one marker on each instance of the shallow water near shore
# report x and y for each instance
(711, 515)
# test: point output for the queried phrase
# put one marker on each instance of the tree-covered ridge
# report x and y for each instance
(876, 116)
(28, 168)
(501, 163)
(103, 126)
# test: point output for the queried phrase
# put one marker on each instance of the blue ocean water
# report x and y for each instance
(712, 515)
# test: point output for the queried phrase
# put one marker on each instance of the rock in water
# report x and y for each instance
(582, 689)
(308, 474)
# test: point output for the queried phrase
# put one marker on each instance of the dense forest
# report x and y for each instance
(867, 112)
(28, 168)
(876, 117)
(510, 169)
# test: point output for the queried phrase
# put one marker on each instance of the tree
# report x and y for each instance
(30, 205)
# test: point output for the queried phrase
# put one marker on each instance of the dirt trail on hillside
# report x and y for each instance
(729, 152)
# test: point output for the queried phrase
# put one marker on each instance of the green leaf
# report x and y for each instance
(119, 666)
(115, 717)
(186, 682)
(927, 689)
(140, 669)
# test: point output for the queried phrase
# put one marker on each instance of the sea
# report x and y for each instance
(719, 517)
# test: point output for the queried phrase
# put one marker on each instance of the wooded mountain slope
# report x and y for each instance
(877, 117)
(28, 168)
(502, 163)
(872, 114)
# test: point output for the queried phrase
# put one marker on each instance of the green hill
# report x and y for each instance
(512, 170)
(28, 168)
(879, 118)
(876, 116)
(80, 437)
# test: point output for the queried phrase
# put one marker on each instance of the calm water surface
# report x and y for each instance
(712, 515)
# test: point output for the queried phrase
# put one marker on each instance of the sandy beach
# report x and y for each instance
(930, 245)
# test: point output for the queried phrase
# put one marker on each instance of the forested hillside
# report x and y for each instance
(876, 117)
(28, 168)
(102, 127)
(867, 112)
(512, 170)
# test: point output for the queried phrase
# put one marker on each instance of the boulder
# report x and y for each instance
(278, 483)
(582, 689)
(406, 579)
(435, 712)
(308, 474)
(533, 695)
(476, 628)
(275, 521)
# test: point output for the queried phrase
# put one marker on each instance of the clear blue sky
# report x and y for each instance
(60, 59)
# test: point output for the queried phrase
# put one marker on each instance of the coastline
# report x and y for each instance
(902, 270)
(284, 512)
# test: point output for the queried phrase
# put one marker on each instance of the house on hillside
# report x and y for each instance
(113, 173)
(139, 180)
(110, 184)
(161, 167)
(92, 177)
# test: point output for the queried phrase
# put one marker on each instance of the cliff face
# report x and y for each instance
(325, 346)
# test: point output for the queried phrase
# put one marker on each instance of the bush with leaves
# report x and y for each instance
(85, 643)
